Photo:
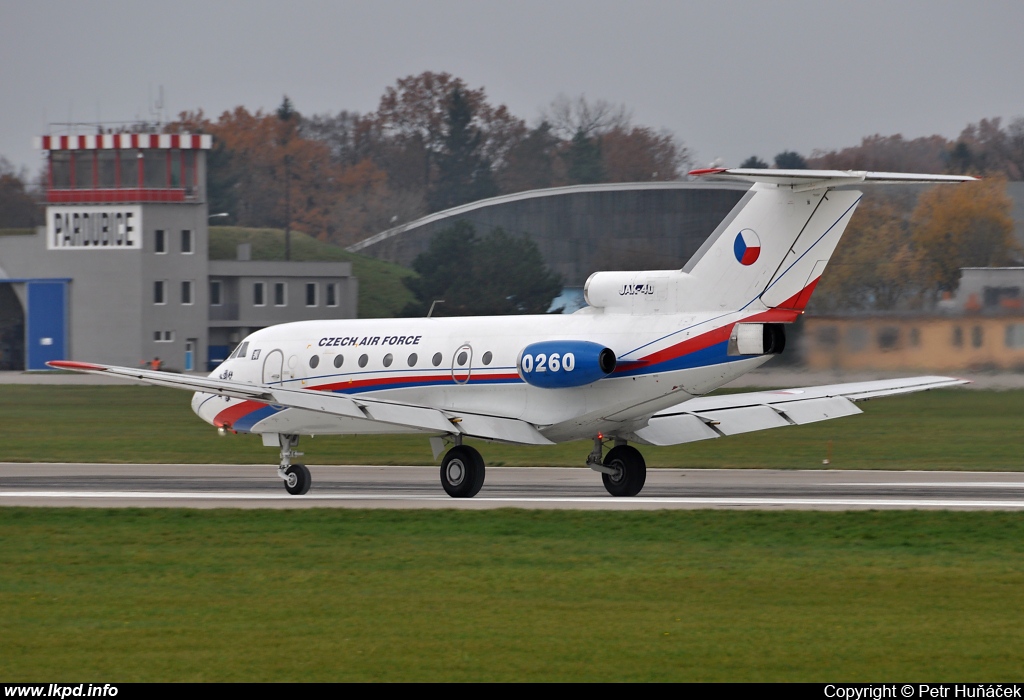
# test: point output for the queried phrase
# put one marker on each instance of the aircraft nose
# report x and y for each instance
(201, 406)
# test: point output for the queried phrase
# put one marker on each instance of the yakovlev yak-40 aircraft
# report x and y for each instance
(632, 367)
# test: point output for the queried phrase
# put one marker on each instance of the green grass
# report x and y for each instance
(329, 595)
(381, 292)
(17, 231)
(945, 429)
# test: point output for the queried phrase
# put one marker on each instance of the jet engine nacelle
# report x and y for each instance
(757, 339)
(560, 364)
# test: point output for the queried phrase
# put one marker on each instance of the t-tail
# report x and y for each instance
(767, 254)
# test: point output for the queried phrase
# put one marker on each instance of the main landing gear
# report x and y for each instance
(623, 469)
(462, 472)
(295, 476)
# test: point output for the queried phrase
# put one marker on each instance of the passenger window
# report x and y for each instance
(436, 360)
(413, 359)
(363, 359)
(339, 361)
(388, 359)
(487, 357)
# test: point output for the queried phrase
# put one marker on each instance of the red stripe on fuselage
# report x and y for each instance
(699, 342)
(229, 416)
(786, 312)
(400, 379)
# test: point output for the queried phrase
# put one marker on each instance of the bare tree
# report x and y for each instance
(339, 131)
(569, 117)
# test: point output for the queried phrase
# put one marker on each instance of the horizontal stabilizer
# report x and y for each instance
(800, 180)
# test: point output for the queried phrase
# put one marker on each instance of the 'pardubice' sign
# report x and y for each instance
(94, 228)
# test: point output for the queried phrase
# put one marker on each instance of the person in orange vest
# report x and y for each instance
(156, 363)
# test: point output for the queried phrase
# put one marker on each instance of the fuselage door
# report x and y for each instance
(273, 366)
(462, 363)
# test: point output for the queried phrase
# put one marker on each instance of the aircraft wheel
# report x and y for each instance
(298, 480)
(462, 472)
(630, 471)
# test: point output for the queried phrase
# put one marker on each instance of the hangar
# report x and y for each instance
(582, 229)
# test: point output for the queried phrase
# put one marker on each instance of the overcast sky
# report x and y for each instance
(730, 79)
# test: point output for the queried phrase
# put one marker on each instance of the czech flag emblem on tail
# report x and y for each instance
(747, 247)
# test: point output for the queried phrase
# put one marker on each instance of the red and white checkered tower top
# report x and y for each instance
(104, 141)
(122, 168)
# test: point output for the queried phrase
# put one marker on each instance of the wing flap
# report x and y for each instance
(814, 410)
(732, 414)
(854, 391)
(503, 429)
(320, 401)
(413, 416)
(747, 419)
(675, 430)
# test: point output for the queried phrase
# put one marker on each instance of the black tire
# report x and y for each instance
(462, 472)
(631, 471)
(298, 481)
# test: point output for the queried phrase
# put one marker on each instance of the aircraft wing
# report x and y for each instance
(708, 417)
(422, 418)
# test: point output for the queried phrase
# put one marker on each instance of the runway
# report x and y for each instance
(233, 486)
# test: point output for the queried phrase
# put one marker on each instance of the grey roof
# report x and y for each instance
(536, 194)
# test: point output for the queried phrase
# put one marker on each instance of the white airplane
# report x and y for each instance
(632, 367)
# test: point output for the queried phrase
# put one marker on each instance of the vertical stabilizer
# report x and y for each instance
(770, 249)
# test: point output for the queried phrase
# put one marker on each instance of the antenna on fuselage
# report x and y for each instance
(432, 305)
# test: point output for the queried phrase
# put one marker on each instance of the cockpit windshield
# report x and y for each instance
(240, 351)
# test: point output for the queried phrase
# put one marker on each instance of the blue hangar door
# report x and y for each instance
(45, 323)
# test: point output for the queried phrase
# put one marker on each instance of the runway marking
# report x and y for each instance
(955, 484)
(607, 500)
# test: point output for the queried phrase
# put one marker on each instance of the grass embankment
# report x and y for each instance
(325, 595)
(381, 292)
(945, 429)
